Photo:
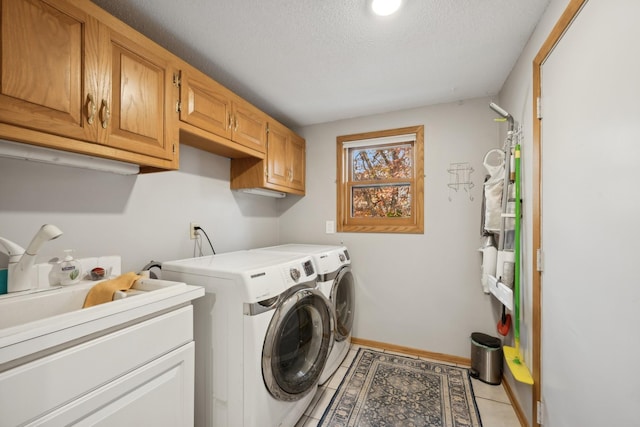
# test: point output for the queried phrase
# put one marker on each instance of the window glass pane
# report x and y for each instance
(379, 181)
(376, 201)
(376, 163)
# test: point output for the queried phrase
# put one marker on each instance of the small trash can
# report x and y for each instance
(486, 358)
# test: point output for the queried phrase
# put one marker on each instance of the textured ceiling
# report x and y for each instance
(315, 61)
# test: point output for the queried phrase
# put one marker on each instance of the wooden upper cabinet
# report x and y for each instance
(72, 82)
(285, 158)
(49, 67)
(205, 104)
(283, 169)
(277, 163)
(139, 110)
(249, 126)
(298, 158)
(209, 106)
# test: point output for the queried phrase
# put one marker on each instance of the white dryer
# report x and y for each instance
(335, 280)
(262, 336)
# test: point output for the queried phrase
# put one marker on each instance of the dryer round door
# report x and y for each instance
(343, 300)
(297, 344)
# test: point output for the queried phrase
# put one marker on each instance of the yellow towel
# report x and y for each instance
(103, 291)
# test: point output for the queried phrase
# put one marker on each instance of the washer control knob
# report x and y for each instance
(295, 274)
(342, 258)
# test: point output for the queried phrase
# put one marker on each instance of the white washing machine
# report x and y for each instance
(262, 336)
(335, 280)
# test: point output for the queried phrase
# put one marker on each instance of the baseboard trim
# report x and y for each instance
(413, 351)
(514, 402)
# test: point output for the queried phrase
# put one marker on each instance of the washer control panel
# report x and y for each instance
(295, 274)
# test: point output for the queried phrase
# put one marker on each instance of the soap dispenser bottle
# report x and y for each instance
(69, 269)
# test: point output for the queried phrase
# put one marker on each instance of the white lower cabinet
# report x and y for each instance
(141, 375)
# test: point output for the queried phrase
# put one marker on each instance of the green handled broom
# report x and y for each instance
(512, 355)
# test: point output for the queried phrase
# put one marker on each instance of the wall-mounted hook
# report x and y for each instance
(460, 177)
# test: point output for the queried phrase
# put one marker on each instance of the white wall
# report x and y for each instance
(419, 290)
(140, 217)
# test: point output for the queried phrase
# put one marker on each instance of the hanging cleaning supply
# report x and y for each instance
(504, 324)
(69, 270)
(493, 190)
(512, 355)
(488, 266)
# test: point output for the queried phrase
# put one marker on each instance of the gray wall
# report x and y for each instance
(418, 290)
(516, 97)
(421, 291)
(140, 217)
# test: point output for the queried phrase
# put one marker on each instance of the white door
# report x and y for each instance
(591, 219)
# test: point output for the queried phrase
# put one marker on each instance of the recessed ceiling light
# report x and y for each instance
(385, 7)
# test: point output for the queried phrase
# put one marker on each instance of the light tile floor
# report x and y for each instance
(493, 402)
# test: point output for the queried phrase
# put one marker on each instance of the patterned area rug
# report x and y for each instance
(383, 389)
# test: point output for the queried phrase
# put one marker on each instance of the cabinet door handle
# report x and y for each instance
(230, 121)
(91, 109)
(105, 114)
(235, 120)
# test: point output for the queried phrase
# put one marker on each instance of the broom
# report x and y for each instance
(512, 355)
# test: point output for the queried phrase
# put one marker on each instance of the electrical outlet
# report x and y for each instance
(192, 230)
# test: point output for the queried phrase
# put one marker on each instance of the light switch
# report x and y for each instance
(330, 227)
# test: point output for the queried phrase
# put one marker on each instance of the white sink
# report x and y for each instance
(20, 309)
(47, 319)
(42, 304)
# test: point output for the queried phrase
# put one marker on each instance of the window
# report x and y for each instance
(381, 181)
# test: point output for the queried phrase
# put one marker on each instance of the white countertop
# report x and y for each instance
(22, 342)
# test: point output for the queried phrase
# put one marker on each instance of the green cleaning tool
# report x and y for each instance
(512, 355)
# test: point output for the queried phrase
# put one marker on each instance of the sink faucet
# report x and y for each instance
(21, 261)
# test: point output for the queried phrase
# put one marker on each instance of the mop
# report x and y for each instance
(512, 355)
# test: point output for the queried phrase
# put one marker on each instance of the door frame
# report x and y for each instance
(567, 17)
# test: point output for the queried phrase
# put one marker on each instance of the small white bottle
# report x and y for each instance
(69, 270)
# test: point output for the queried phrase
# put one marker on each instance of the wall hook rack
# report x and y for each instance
(460, 178)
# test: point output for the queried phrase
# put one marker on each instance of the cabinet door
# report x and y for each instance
(297, 162)
(278, 168)
(205, 104)
(249, 126)
(159, 394)
(49, 67)
(286, 158)
(136, 115)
